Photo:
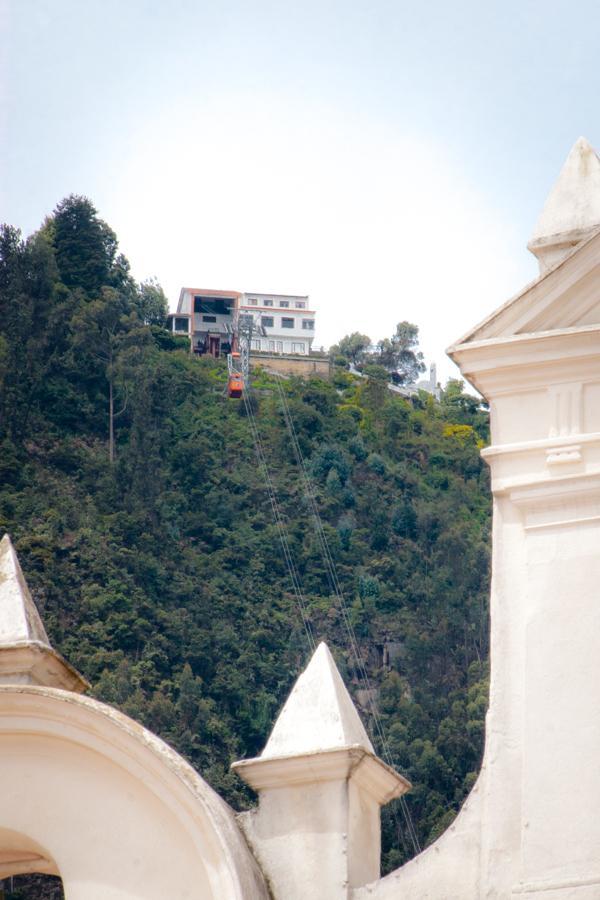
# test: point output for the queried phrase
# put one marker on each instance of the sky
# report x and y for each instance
(389, 159)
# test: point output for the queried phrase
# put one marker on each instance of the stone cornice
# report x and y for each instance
(34, 660)
(564, 501)
(377, 779)
(550, 443)
(525, 361)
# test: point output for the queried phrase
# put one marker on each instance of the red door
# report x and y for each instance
(214, 345)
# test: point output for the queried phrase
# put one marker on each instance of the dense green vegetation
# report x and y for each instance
(129, 484)
(397, 356)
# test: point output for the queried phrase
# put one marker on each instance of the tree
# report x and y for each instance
(30, 330)
(101, 329)
(86, 248)
(375, 391)
(400, 354)
(152, 303)
(465, 408)
(353, 346)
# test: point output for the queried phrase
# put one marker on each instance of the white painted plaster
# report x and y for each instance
(530, 828)
(572, 208)
(316, 832)
(90, 795)
(319, 713)
(19, 619)
(111, 808)
(26, 656)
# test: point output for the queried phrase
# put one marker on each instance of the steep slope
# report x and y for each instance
(159, 573)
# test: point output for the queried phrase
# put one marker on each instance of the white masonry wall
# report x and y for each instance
(531, 829)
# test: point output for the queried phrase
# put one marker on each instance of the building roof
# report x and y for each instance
(271, 294)
(209, 292)
(568, 231)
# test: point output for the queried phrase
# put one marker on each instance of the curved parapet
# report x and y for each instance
(447, 870)
(531, 831)
(92, 796)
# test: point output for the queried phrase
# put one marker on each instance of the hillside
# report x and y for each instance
(154, 558)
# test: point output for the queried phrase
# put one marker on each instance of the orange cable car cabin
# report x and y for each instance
(235, 386)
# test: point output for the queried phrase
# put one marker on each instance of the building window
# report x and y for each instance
(284, 304)
(300, 304)
(252, 301)
(271, 345)
(287, 323)
(267, 321)
(279, 346)
(308, 324)
(181, 324)
(268, 302)
(298, 348)
(209, 318)
(256, 345)
(220, 306)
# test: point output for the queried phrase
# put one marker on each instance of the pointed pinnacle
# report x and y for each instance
(572, 209)
(26, 655)
(19, 618)
(319, 713)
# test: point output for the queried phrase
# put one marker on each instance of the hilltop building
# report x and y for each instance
(208, 317)
(288, 322)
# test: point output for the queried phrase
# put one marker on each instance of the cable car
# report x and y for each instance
(235, 386)
(235, 382)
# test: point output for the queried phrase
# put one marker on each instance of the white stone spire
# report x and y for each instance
(319, 713)
(571, 212)
(316, 832)
(26, 655)
(19, 619)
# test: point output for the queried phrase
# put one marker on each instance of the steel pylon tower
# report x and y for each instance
(246, 325)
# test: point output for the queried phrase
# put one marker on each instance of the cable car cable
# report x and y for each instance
(279, 522)
(338, 592)
(238, 385)
(334, 582)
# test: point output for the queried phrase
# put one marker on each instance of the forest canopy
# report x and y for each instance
(128, 481)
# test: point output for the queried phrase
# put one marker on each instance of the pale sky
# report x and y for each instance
(388, 158)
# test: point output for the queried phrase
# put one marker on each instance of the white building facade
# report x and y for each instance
(208, 317)
(287, 320)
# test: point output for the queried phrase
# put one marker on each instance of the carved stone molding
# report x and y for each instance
(559, 890)
(561, 502)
